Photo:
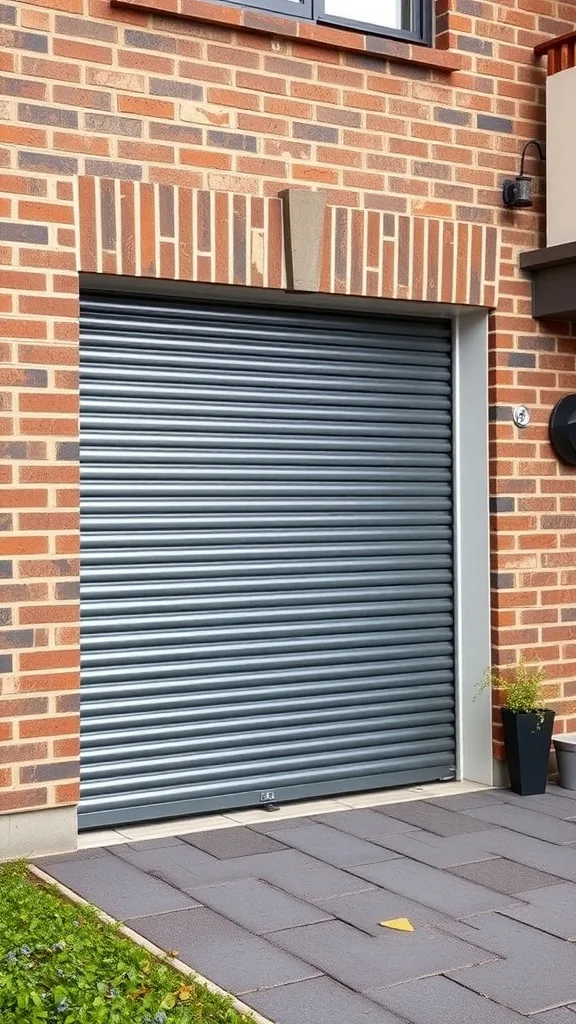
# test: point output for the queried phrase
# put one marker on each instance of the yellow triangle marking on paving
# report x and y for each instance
(400, 924)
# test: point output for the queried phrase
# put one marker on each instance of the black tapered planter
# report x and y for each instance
(527, 738)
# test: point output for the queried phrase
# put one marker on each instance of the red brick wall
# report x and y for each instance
(125, 94)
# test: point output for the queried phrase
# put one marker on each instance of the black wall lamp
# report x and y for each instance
(517, 192)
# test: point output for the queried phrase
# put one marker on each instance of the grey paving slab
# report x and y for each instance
(71, 858)
(437, 851)
(465, 801)
(227, 843)
(365, 824)
(527, 822)
(334, 847)
(505, 876)
(364, 910)
(176, 855)
(190, 877)
(259, 906)
(290, 870)
(552, 910)
(428, 816)
(150, 844)
(309, 879)
(546, 803)
(539, 972)
(320, 1001)
(119, 888)
(562, 1015)
(440, 1000)
(455, 897)
(363, 962)
(535, 853)
(222, 951)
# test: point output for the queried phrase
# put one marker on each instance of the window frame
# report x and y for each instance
(314, 11)
(421, 13)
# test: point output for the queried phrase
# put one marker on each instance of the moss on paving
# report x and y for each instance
(59, 964)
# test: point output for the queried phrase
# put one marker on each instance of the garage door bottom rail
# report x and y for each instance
(184, 808)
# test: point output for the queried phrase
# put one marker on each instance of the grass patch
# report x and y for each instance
(59, 964)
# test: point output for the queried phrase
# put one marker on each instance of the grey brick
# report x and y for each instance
(85, 29)
(437, 889)
(472, 44)
(232, 140)
(552, 910)
(504, 875)
(16, 638)
(29, 41)
(172, 87)
(49, 772)
(67, 591)
(500, 413)
(6, 573)
(224, 952)
(150, 41)
(365, 910)
(67, 703)
(441, 1001)
(494, 124)
(320, 1001)
(501, 580)
(33, 234)
(258, 906)
(55, 116)
(434, 819)
(448, 116)
(121, 890)
(365, 824)
(437, 851)
(528, 823)
(363, 962)
(5, 663)
(498, 504)
(67, 451)
(7, 14)
(536, 974)
(314, 132)
(226, 843)
(110, 123)
(333, 847)
(113, 169)
(48, 162)
(522, 359)
(339, 115)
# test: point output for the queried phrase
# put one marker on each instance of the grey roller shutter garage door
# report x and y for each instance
(267, 583)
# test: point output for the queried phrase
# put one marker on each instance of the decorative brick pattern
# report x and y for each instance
(202, 120)
(151, 230)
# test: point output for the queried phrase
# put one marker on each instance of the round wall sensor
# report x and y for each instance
(521, 416)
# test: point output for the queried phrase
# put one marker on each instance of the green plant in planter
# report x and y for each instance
(526, 723)
(522, 688)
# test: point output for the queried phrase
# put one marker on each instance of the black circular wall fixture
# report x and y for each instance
(562, 429)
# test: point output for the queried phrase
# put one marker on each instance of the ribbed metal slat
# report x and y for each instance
(267, 578)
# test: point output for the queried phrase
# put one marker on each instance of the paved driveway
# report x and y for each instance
(285, 913)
